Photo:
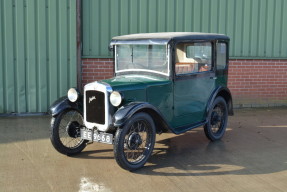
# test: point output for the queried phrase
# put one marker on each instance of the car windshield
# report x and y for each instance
(146, 58)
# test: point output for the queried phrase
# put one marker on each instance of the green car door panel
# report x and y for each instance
(190, 98)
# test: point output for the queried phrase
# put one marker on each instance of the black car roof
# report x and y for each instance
(165, 37)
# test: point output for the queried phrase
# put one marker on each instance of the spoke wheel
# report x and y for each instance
(65, 132)
(134, 142)
(216, 120)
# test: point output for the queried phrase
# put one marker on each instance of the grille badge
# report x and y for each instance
(92, 98)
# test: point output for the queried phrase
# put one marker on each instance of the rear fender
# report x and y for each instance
(226, 94)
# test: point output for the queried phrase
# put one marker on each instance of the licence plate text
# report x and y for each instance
(96, 136)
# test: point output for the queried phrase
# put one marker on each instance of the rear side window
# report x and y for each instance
(193, 57)
(199, 51)
(221, 55)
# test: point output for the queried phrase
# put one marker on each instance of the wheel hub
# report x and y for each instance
(215, 118)
(134, 141)
(73, 129)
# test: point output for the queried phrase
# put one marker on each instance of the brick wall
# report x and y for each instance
(258, 83)
(96, 69)
(253, 83)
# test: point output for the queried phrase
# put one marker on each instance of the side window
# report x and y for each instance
(193, 57)
(221, 55)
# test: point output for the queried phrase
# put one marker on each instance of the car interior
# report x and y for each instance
(185, 64)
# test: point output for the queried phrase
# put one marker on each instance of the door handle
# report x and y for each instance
(214, 78)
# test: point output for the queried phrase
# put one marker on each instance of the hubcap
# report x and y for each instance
(73, 129)
(134, 141)
(215, 118)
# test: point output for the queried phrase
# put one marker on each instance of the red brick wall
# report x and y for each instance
(253, 83)
(96, 69)
(256, 83)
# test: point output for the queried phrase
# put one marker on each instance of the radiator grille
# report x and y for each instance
(95, 107)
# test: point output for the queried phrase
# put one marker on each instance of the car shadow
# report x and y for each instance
(191, 154)
(94, 154)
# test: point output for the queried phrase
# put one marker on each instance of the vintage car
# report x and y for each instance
(163, 82)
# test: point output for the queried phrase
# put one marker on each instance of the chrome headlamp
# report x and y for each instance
(73, 95)
(116, 98)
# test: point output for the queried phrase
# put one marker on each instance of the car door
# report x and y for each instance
(194, 81)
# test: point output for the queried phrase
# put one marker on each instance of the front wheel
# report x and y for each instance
(134, 142)
(216, 120)
(65, 132)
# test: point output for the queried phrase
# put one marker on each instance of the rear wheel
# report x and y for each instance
(134, 142)
(65, 132)
(216, 120)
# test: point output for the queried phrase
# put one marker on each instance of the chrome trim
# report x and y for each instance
(106, 89)
(143, 70)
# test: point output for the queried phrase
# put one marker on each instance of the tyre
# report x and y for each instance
(134, 142)
(65, 132)
(216, 120)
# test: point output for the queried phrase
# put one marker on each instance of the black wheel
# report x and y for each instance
(134, 142)
(216, 120)
(65, 132)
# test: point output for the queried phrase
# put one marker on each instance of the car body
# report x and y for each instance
(164, 81)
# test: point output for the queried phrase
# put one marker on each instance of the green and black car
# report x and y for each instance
(163, 82)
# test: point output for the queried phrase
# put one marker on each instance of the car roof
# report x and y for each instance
(165, 37)
(168, 36)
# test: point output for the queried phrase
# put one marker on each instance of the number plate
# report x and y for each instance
(96, 136)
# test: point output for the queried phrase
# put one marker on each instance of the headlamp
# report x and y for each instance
(73, 95)
(116, 98)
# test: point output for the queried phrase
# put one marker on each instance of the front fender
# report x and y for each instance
(64, 103)
(126, 112)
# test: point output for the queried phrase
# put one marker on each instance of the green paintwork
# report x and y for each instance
(37, 53)
(257, 28)
(142, 88)
(191, 98)
(181, 102)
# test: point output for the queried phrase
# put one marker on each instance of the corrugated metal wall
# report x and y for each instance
(257, 28)
(37, 53)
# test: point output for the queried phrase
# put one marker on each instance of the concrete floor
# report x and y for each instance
(252, 156)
